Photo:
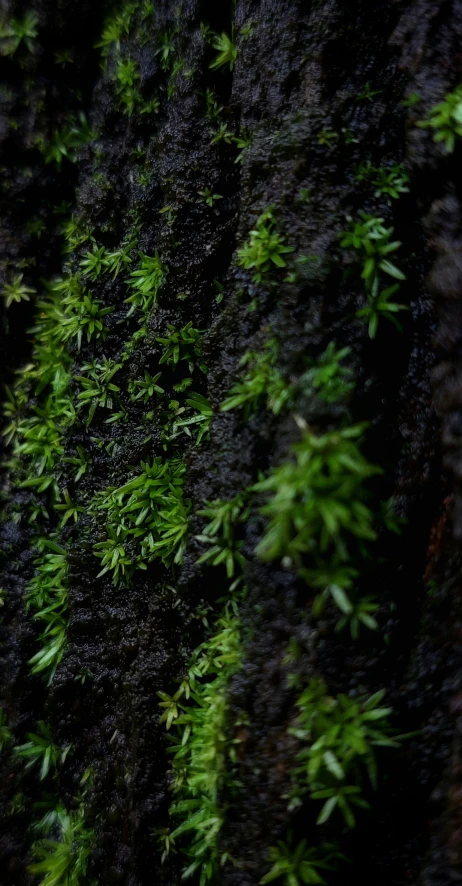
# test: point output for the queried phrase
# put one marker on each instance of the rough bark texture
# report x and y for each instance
(297, 73)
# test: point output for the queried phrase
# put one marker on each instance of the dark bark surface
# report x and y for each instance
(298, 72)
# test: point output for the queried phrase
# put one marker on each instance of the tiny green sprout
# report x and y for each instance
(147, 10)
(12, 411)
(5, 732)
(247, 30)
(170, 213)
(165, 840)
(76, 233)
(66, 142)
(338, 738)
(18, 32)
(201, 747)
(327, 137)
(63, 861)
(368, 94)
(171, 708)
(328, 376)
(146, 281)
(84, 675)
(40, 749)
(219, 533)
(47, 595)
(357, 613)
(213, 109)
(372, 240)
(202, 414)
(69, 509)
(63, 57)
(349, 136)
(98, 387)
(242, 142)
(227, 51)
(17, 291)
(294, 867)
(338, 583)
(379, 305)
(304, 195)
(81, 461)
(413, 99)
(209, 197)
(113, 31)
(127, 84)
(261, 381)
(264, 249)
(117, 261)
(84, 314)
(149, 107)
(144, 389)
(222, 134)
(317, 503)
(181, 344)
(146, 520)
(166, 49)
(35, 227)
(389, 181)
(220, 289)
(94, 263)
(445, 119)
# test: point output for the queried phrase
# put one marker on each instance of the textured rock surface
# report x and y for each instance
(298, 72)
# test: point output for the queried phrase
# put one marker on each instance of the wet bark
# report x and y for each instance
(299, 69)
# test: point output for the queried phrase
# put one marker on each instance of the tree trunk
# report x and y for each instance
(305, 116)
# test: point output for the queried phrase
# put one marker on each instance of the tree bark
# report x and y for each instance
(317, 89)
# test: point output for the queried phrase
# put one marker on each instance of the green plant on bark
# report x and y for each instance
(145, 519)
(98, 388)
(202, 753)
(220, 533)
(128, 84)
(261, 384)
(40, 750)
(339, 737)
(145, 388)
(62, 855)
(17, 291)
(445, 119)
(17, 33)
(166, 49)
(222, 134)
(226, 49)
(328, 376)
(81, 461)
(74, 312)
(299, 865)
(6, 737)
(69, 509)
(94, 263)
(388, 181)
(195, 415)
(320, 523)
(181, 344)
(146, 282)
(46, 595)
(208, 197)
(64, 143)
(372, 241)
(265, 249)
(317, 503)
(115, 28)
(379, 305)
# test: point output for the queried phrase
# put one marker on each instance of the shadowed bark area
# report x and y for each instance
(317, 89)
